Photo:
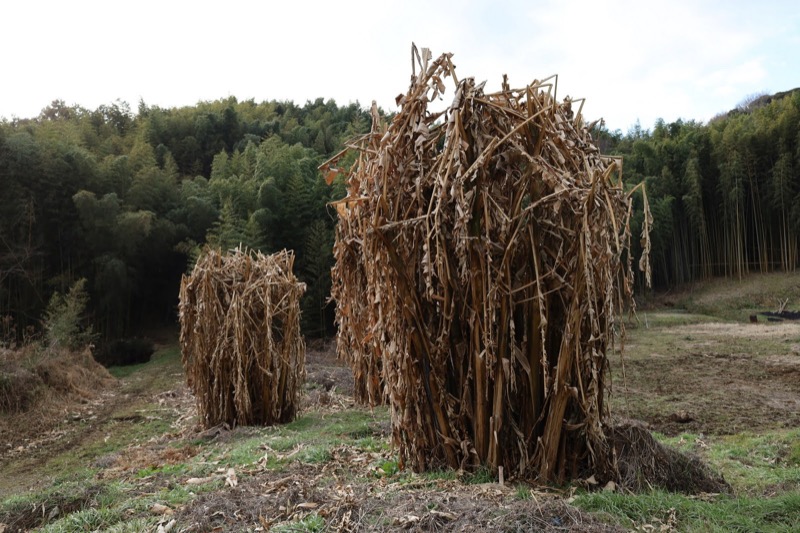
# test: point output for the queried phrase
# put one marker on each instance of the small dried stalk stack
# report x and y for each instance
(240, 337)
(482, 260)
(356, 342)
(354, 338)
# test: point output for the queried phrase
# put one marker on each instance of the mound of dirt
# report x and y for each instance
(75, 374)
(645, 464)
(28, 376)
(19, 387)
(38, 387)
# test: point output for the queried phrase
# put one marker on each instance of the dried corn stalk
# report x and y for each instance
(240, 337)
(482, 258)
(356, 343)
(354, 334)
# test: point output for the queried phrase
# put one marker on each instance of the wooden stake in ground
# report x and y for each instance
(482, 260)
(240, 337)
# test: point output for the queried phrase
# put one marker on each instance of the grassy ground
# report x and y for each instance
(139, 462)
(708, 381)
(694, 370)
(733, 299)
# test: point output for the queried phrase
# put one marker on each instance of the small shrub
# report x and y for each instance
(63, 319)
(389, 467)
(309, 524)
(316, 454)
(523, 492)
(482, 475)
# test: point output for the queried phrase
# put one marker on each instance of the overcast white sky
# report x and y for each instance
(632, 60)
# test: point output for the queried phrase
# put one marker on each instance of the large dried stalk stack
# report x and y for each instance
(493, 243)
(240, 336)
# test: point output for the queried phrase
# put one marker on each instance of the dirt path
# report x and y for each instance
(41, 445)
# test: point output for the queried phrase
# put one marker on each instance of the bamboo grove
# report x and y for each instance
(725, 196)
(483, 260)
(125, 197)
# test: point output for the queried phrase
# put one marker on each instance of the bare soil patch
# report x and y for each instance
(712, 378)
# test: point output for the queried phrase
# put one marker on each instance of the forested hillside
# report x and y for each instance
(725, 195)
(126, 198)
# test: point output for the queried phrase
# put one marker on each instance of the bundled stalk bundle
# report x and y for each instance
(483, 255)
(240, 337)
(353, 310)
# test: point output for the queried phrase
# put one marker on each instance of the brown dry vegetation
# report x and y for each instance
(240, 337)
(482, 258)
(37, 385)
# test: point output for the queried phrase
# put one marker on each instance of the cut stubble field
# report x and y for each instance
(713, 378)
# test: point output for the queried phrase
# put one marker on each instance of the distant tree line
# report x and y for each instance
(725, 196)
(126, 199)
